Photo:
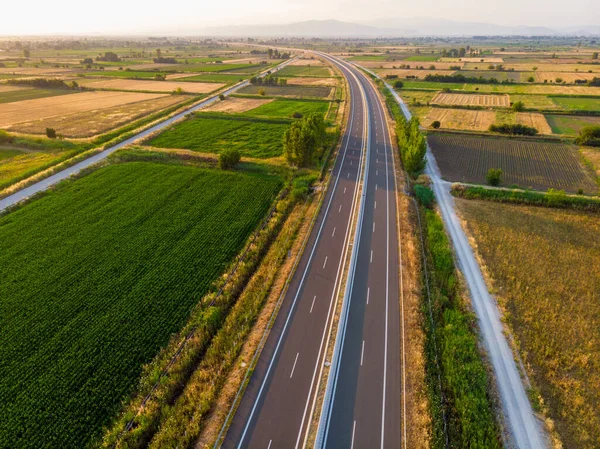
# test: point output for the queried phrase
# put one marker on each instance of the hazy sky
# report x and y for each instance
(139, 16)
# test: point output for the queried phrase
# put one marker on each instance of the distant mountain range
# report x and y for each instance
(399, 27)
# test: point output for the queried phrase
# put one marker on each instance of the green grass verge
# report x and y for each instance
(126, 253)
(214, 132)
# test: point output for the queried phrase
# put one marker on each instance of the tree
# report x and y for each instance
(178, 91)
(26, 53)
(559, 80)
(494, 176)
(221, 97)
(595, 55)
(229, 159)
(518, 106)
(51, 133)
(303, 140)
(262, 92)
(589, 135)
(531, 79)
(158, 52)
(424, 195)
(398, 84)
(436, 124)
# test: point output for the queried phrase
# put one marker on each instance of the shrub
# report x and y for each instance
(221, 97)
(398, 84)
(531, 79)
(51, 133)
(436, 124)
(424, 195)
(589, 135)
(518, 106)
(229, 159)
(514, 129)
(297, 114)
(494, 176)
(262, 92)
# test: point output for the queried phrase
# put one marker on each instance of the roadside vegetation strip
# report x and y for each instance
(181, 222)
(214, 132)
(544, 263)
(553, 198)
(525, 163)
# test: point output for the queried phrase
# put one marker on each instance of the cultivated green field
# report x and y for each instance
(289, 91)
(96, 276)
(30, 94)
(422, 58)
(286, 108)
(238, 68)
(214, 132)
(7, 153)
(214, 78)
(570, 124)
(125, 73)
(304, 70)
(578, 103)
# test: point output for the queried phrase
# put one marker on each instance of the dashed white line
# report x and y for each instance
(313, 304)
(344, 189)
(375, 204)
(375, 186)
(325, 263)
(376, 172)
(373, 226)
(348, 175)
(368, 294)
(340, 209)
(362, 353)
(353, 431)
(270, 442)
(371, 257)
(333, 233)
(294, 367)
(350, 162)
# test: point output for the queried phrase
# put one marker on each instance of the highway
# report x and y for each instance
(50, 181)
(277, 406)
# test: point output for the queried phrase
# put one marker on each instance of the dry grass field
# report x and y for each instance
(45, 108)
(463, 119)
(535, 120)
(420, 74)
(151, 86)
(592, 155)
(567, 77)
(306, 81)
(237, 104)
(9, 88)
(36, 71)
(541, 89)
(91, 122)
(307, 61)
(543, 265)
(472, 100)
(482, 59)
(395, 64)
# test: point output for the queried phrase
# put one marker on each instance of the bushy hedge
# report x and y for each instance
(514, 129)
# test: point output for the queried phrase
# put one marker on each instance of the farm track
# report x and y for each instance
(45, 184)
(523, 428)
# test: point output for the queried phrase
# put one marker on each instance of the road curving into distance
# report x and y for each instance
(525, 430)
(277, 407)
(46, 183)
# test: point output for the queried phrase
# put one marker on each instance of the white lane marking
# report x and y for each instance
(353, 431)
(371, 256)
(350, 162)
(373, 226)
(368, 294)
(362, 353)
(340, 209)
(333, 233)
(270, 442)
(294, 367)
(348, 175)
(344, 189)
(375, 186)
(325, 263)
(375, 204)
(313, 304)
(377, 160)
(377, 172)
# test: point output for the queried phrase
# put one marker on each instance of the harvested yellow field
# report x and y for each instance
(567, 77)
(476, 59)
(420, 74)
(312, 81)
(237, 104)
(37, 71)
(413, 64)
(94, 122)
(555, 67)
(472, 100)
(535, 120)
(44, 108)
(153, 65)
(9, 88)
(308, 61)
(464, 119)
(176, 76)
(151, 86)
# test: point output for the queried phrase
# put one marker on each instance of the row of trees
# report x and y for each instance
(412, 143)
(267, 81)
(304, 140)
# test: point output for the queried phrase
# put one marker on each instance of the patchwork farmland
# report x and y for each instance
(444, 98)
(525, 163)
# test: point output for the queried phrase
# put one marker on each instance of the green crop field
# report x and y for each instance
(219, 67)
(286, 108)
(570, 124)
(125, 73)
(289, 91)
(96, 276)
(430, 85)
(8, 153)
(304, 70)
(30, 94)
(214, 132)
(423, 58)
(578, 103)
(214, 78)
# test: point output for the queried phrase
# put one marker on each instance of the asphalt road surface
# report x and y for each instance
(46, 183)
(365, 406)
(276, 408)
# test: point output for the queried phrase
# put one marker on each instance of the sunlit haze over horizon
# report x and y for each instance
(64, 17)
